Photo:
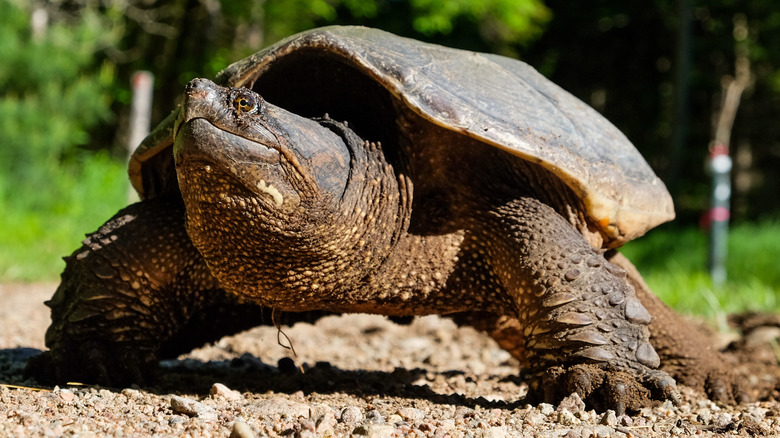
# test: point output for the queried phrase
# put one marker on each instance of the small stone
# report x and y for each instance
(494, 432)
(722, 420)
(192, 408)
(220, 390)
(566, 418)
(625, 420)
(412, 415)
(242, 430)
(131, 393)
(604, 432)
(351, 415)
(67, 395)
(373, 416)
(546, 408)
(375, 430)
(609, 418)
(704, 416)
(324, 418)
(307, 430)
(426, 427)
(281, 406)
(573, 403)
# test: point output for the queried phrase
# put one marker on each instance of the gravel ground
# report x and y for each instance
(353, 375)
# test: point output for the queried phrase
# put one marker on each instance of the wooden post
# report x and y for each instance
(140, 114)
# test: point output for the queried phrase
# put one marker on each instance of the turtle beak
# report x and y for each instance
(202, 99)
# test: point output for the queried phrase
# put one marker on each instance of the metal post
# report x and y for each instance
(720, 166)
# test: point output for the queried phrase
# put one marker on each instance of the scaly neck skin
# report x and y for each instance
(306, 257)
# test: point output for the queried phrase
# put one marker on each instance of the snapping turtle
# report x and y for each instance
(346, 169)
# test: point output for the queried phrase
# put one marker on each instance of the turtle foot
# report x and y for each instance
(110, 365)
(603, 388)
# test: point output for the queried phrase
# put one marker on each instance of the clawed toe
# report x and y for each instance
(664, 387)
(603, 388)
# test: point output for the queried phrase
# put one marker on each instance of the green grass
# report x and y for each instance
(673, 263)
(43, 221)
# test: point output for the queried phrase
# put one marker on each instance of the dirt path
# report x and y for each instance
(354, 375)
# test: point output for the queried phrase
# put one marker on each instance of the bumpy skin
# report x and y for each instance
(135, 292)
(301, 216)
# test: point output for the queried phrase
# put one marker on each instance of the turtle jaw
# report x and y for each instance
(205, 154)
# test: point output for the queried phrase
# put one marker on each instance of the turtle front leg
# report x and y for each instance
(137, 289)
(581, 327)
(130, 286)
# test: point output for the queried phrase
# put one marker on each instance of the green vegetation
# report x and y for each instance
(673, 262)
(52, 94)
(43, 223)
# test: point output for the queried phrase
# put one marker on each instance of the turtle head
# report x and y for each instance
(268, 193)
(230, 145)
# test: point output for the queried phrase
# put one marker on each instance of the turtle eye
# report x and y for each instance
(245, 103)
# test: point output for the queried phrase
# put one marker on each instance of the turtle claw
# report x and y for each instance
(603, 387)
(664, 387)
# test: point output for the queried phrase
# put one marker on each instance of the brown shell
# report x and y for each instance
(497, 100)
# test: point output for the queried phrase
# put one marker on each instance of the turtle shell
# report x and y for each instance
(358, 74)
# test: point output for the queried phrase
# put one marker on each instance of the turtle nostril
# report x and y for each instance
(198, 86)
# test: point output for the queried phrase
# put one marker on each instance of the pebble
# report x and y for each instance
(566, 418)
(494, 432)
(278, 406)
(67, 395)
(572, 403)
(546, 408)
(220, 390)
(192, 408)
(412, 415)
(373, 416)
(375, 430)
(609, 418)
(351, 415)
(324, 418)
(242, 430)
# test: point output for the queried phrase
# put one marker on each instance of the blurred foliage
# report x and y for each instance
(54, 93)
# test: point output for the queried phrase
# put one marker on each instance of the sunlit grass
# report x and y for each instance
(673, 263)
(44, 221)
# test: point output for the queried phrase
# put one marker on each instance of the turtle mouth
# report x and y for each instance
(199, 138)
(202, 147)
